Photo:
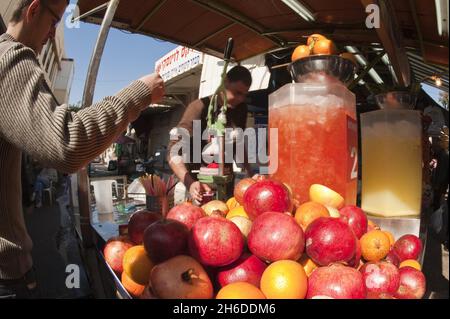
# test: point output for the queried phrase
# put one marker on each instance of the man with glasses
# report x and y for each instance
(31, 121)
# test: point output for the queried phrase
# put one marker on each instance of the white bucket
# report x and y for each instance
(103, 196)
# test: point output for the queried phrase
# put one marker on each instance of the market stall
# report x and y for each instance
(362, 58)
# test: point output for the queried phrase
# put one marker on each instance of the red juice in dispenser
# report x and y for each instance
(317, 138)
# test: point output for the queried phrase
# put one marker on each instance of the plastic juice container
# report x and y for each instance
(391, 163)
(317, 138)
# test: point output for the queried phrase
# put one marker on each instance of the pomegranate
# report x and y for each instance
(215, 241)
(392, 258)
(215, 207)
(186, 213)
(276, 236)
(356, 260)
(408, 247)
(412, 284)
(267, 196)
(114, 251)
(241, 187)
(329, 240)
(181, 277)
(381, 278)
(248, 268)
(165, 239)
(138, 222)
(355, 218)
(336, 281)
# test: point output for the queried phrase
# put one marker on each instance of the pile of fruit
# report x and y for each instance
(258, 245)
(318, 44)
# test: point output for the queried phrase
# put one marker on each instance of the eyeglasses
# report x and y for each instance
(53, 13)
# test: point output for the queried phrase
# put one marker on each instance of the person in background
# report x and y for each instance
(33, 122)
(237, 85)
(46, 177)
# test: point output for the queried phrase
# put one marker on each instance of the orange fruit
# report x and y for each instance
(411, 263)
(232, 203)
(326, 196)
(372, 226)
(308, 265)
(314, 38)
(375, 245)
(133, 288)
(137, 264)
(391, 238)
(306, 213)
(284, 279)
(238, 211)
(240, 290)
(324, 46)
(300, 51)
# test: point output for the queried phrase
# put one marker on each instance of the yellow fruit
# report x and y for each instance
(325, 196)
(238, 211)
(240, 290)
(284, 279)
(301, 51)
(137, 265)
(411, 263)
(232, 203)
(375, 245)
(308, 212)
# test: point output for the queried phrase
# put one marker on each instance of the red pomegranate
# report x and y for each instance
(336, 281)
(215, 241)
(114, 250)
(186, 213)
(165, 239)
(241, 187)
(356, 260)
(276, 236)
(381, 278)
(138, 222)
(355, 218)
(392, 258)
(329, 240)
(267, 196)
(248, 268)
(408, 247)
(412, 284)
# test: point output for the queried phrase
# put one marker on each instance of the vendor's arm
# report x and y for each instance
(175, 159)
(31, 119)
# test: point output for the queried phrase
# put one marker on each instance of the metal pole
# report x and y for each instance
(88, 96)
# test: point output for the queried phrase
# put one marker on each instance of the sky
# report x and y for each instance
(126, 58)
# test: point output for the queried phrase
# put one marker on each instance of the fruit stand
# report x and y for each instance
(306, 228)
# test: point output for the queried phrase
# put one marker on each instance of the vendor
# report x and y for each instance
(237, 85)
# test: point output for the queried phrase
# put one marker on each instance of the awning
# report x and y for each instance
(423, 72)
(262, 25)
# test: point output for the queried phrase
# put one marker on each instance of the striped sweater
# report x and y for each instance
(31, 121)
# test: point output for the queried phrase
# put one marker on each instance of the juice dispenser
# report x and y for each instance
(392, 158)
(317, 128)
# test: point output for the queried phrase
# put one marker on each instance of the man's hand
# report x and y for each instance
(156, 84)
(197, 189)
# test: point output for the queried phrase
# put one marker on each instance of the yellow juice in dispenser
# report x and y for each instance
(391, 163)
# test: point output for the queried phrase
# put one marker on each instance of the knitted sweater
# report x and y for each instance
(31, 121)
